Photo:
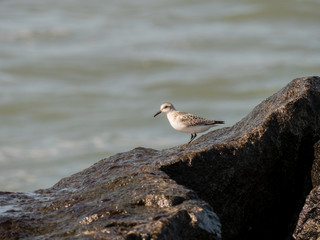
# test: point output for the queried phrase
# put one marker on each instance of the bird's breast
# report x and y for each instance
(175, 122)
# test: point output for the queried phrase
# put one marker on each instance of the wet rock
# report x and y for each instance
(123, 197)
(254, 175)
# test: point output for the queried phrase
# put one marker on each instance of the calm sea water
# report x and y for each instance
(81, 80)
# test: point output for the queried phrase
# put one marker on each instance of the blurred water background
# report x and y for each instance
(81, 80)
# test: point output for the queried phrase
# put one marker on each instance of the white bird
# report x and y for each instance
(186, 122)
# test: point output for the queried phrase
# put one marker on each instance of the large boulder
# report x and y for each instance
(254, 175)
(123, 197)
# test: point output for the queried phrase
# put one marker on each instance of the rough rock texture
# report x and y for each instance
(309, 220)
(315, 172)
(123, 197)
(254, 175)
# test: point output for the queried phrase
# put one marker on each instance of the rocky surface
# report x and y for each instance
(255, 176)
(123, 197)
(309, 220)
(315, 172)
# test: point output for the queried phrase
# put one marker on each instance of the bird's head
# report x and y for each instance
(165, 108)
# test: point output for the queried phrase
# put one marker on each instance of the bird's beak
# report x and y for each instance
(157, 114)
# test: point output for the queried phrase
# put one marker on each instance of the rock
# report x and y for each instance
(309, 219)
(123, 197)
(254, 175)
(315, 172)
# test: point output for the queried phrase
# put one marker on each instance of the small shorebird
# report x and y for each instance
(186, 122)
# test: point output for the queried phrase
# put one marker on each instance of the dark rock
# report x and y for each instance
(123, 197)
(315, 173)
(255, 175)
(309, 220)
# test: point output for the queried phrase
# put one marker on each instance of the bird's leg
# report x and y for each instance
(192, 137)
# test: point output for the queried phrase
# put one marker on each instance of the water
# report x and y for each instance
(81, 80)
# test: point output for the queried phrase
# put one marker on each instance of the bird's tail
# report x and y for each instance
(215, 122)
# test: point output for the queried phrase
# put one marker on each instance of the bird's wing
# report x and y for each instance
(191, 119)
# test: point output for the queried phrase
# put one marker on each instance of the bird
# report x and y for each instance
(186, 122)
